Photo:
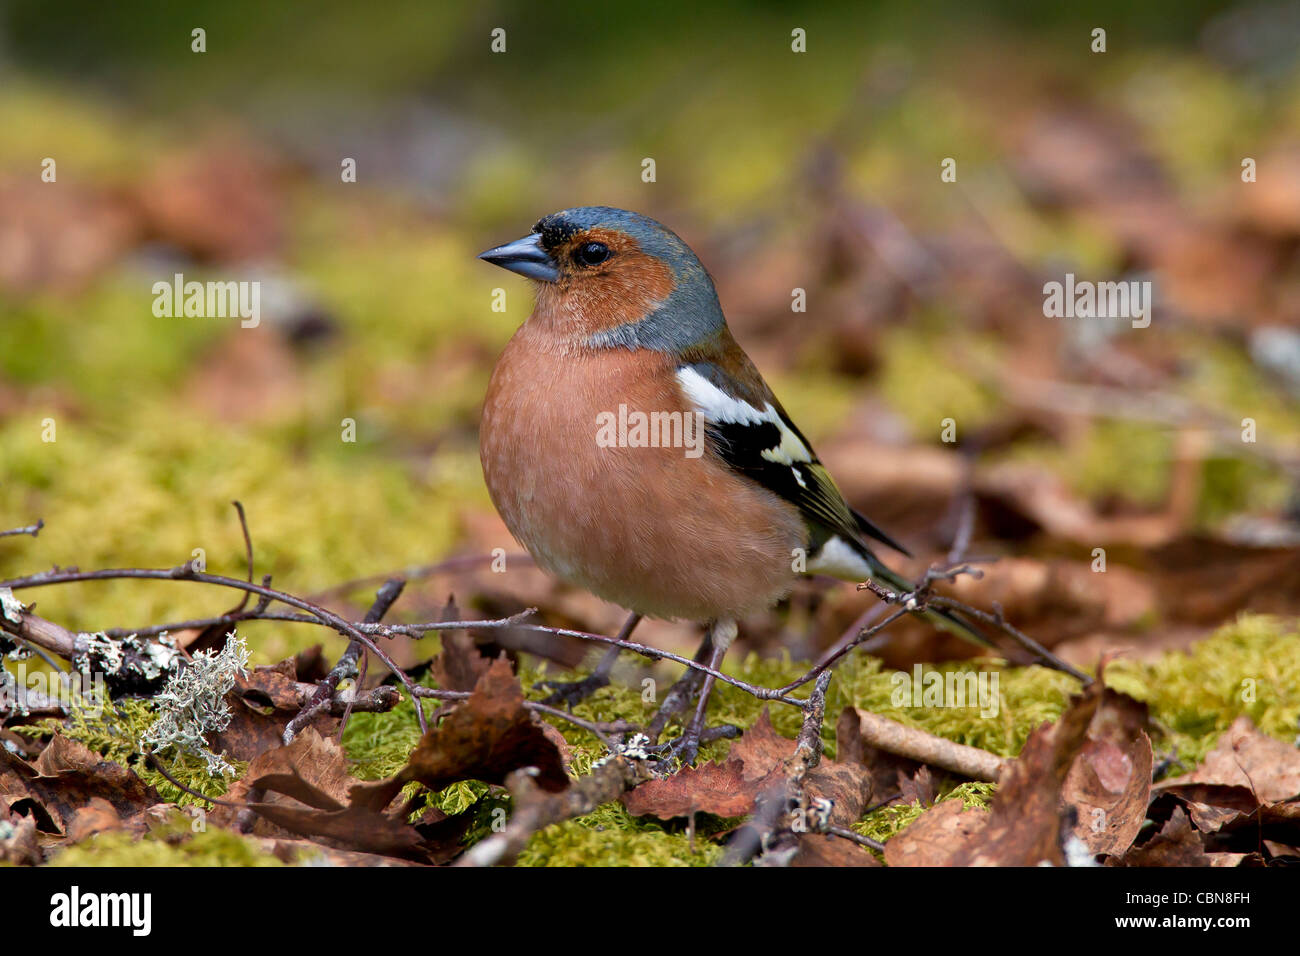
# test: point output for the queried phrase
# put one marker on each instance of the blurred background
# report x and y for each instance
(817, 171)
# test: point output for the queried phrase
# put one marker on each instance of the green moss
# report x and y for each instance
(1230, 486)
(169, 846)
(313, 516)
(1224, 378)
(926, 378)
(610, 836)
(887, 821)
(84, 136)
(1126, 460)
(116, 732)
(1250, 667)
(1193, 117)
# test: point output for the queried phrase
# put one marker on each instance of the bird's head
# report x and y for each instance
(614, 278)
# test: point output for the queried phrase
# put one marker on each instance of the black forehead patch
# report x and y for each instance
(557, 229)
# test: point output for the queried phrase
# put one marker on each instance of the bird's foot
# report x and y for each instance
(687, 747)
(569, 693)
(677, 699)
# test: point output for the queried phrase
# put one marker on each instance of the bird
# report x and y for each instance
(708, 517)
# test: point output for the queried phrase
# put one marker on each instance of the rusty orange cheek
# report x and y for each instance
(625, 290)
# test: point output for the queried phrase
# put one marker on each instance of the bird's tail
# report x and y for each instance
(947, 620)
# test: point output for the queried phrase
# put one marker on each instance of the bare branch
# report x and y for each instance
(347, 663)
(535, 809)
(31, 529)
(187, 573)
(895, 738)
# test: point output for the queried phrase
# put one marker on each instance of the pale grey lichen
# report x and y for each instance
(131, 665)
(100, 652)
(11, 607)
(192, 704)
(636, 747)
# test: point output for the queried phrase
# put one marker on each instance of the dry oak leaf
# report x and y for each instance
(1027, 823)
(755, 764)
(1109, 784)
(261, 705)
(1211, 806)
(64, 779)
(483, 738)
(1177, 844)
(1245, 757)
(936, 834)
(306, 785)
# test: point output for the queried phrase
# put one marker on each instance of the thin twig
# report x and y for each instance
(248, 554)
(857, 838)
(599, 729)
(31, 529)
(187, 573)
(772, 821)
(535, 809)
(347, 663)
(895, 738)
(158, 765)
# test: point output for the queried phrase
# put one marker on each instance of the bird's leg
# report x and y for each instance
(572, 692)
(680, 694)
(686, 747)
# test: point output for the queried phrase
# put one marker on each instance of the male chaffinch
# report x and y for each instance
(627, 321)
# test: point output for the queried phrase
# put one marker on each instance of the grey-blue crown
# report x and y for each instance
(691, 312)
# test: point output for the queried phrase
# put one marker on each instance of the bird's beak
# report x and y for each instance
(524, 256)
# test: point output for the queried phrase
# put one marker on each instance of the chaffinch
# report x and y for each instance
(632, 447)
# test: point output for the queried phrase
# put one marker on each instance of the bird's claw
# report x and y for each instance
(686, 748)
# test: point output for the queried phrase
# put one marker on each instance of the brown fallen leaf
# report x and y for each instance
(95, 817)
(1109, 784)
(717, 788)
(893, 778)
(302, 790)
(59, 240)
(1177, 844)
(1245, 757)
(483, 738)
(1026, 825)
(217, 201)
(261, 704)
(820, 849)
(353, 827)
(64, 779)
(1028, 822)
(302, 851)
(934, 836)
(754, 765)
(460, 665)
(316, 760)
(21, 847)
(1210, 806)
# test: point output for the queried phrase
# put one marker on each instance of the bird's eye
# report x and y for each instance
(591, 253)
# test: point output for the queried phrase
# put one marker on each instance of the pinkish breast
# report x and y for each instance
(649, 528)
